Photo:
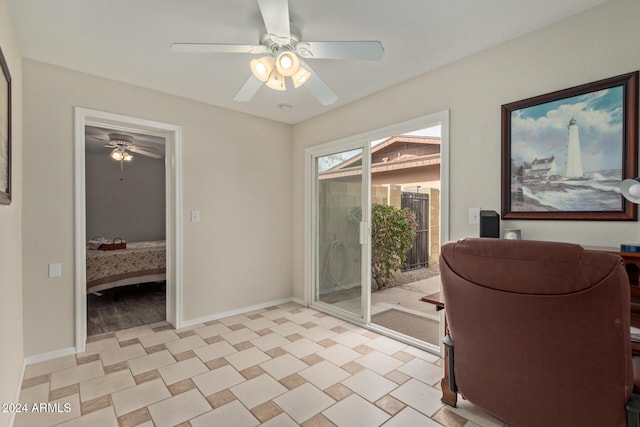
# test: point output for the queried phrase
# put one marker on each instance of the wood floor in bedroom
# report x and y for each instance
(126, 307)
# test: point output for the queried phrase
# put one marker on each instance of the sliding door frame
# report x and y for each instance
(358, 141)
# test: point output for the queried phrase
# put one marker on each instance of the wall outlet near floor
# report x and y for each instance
(195, 216)
(474, 215)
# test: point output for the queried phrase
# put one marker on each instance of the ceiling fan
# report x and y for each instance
(285, 55)
(122, 145)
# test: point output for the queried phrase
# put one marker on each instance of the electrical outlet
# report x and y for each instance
(474, 215)
(55, 269)
(195, 216)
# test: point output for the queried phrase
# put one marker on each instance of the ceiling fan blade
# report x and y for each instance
(150, 152)
(248, 89)
(359, 50)
(275, 14)
(319, 88)
(217, 48)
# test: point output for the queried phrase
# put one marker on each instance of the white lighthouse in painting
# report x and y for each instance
(574, 159)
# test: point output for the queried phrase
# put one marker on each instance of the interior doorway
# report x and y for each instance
(125, 125)
(343, 181)
(126, 229)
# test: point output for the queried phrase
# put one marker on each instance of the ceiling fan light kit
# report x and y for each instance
(285, 55)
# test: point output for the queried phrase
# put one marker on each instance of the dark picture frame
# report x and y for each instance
(5, 133)
(565, 153)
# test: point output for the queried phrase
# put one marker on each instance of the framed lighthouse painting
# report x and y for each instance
(565, 154)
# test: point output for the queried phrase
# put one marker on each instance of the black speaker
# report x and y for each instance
(489, 224)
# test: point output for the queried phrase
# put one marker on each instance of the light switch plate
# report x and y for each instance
(55, 269)
(195, 216)
(474, 215)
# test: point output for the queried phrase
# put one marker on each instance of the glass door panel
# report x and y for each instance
(340, 233)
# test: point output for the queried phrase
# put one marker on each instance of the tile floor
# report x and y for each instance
(285, 365)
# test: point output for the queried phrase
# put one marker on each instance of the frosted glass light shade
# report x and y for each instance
(262, 67)
(276, 81)
(287, 63)
(300, 77)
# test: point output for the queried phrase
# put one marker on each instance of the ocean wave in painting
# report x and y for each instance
(596, 191)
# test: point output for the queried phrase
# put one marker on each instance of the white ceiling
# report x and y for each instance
(128, 41)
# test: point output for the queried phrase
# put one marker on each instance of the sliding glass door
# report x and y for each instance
(341, 232)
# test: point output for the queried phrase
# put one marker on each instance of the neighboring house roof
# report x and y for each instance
(397, 152)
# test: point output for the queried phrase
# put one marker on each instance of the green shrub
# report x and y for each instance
(392, 233)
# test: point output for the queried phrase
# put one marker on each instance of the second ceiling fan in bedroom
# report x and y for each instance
(284, 53)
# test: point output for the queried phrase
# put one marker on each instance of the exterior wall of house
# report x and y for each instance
(11, 355)
(237, 256)
(598, 43)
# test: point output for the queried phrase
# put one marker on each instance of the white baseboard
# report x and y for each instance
(49, 356)
(209, 318)
(299, 301)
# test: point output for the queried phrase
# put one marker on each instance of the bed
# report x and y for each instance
(140, 262)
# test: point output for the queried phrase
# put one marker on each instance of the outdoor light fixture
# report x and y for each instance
(274, 72)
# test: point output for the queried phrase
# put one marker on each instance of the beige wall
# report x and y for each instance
(238, 255)
(11, 355)
(599, 43)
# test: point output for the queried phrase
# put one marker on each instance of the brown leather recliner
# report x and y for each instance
(539, 332)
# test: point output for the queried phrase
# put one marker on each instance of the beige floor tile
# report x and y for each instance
(149, 340)
(386, 345)
(234, 320)
(100, 346)
(246, 358)
(429, 357)
(411, 417)
(260, 323)
(217, 380)
(354, 411)
(283, 366)
(282, 420)
(104, 417)
(131, 333)
(318, 333)
(379, 362)
(269, 341)
(49, 366)
(231, 414)
(302, 348)
(324, 374)
(215, 351)
(123, 354)
(258, 391)
(185, 344)
(151, 362)
(419, 396)
(137, 397)
(339, 354)
(266, 411)
(35, 394)
(106, 384)
(288, 328)
(76, 374)
(177, 409)
(212, 330)
(350, 339)
(240, 335)
(50, 414)
(303, 402)
(421, 370)
(182, 370)
(370, 385)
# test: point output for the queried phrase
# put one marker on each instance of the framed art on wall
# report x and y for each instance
(565, 154)
(5, 133)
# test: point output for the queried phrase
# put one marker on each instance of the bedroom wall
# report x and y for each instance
(238, 255)
(11, 355)
(129, 204)
(598, 43)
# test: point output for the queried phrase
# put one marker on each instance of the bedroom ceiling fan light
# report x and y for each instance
(276, 81)
(262, 67)
(287, 63)
(300, 77)
(117, 154)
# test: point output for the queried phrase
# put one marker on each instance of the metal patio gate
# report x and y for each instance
(418, 255)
